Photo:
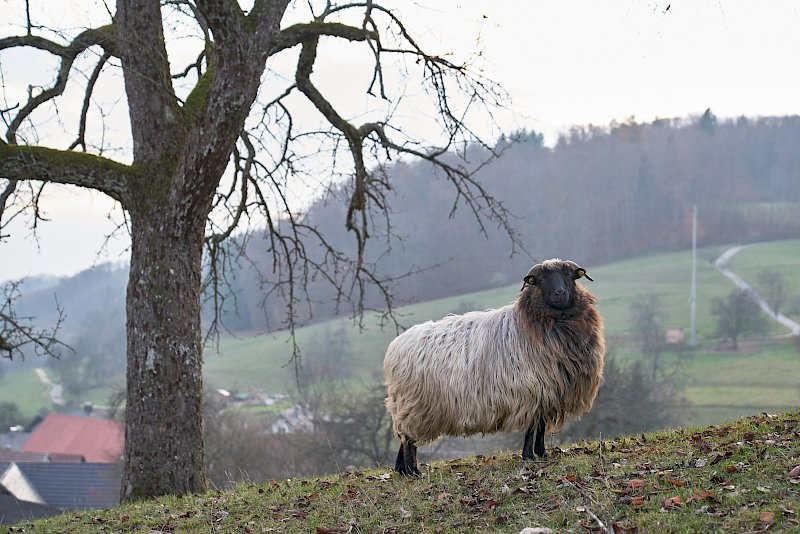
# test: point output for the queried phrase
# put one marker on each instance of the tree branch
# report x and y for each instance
(100, 36)
(17, 333)
(57, 166)
(152, 104)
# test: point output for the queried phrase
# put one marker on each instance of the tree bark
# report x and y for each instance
(163, 423)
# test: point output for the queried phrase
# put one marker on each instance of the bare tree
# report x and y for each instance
(647, 331)
(773, 286)
(215, 147)
(20, 333)
(736, 315)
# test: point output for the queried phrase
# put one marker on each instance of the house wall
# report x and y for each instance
(18, 486)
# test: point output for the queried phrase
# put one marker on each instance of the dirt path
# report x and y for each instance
(55, 389)
(722, 264)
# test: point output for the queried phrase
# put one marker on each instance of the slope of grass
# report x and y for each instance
(720, 385)
(724, 385)
(737, 477)
(263, 361)
(780, 256)
(26, 391)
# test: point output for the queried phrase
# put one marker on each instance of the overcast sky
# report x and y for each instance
(563, 63)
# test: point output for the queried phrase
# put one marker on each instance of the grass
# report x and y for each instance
(779, 256)
(24, 389)
(740, 476)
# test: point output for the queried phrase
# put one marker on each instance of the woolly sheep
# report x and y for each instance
(531, 364)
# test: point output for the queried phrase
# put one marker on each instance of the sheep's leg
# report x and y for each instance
(534, 440)
(538, 447)
(399, 464)
(406, 463)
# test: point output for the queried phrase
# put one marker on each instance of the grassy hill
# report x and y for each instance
(736, 477)
(719, 384)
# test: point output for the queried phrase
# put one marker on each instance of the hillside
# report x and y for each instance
(720, 384)
(742, 476)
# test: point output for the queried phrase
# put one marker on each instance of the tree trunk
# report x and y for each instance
(163, 423)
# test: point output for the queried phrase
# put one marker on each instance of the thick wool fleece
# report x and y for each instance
(496, 370)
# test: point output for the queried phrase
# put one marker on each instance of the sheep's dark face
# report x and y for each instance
(556, 281)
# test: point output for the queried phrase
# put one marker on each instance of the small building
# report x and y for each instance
(62, 485)
(295, 420)
(674, 336)
(13, 510)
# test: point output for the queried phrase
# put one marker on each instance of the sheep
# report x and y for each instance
(531, 364)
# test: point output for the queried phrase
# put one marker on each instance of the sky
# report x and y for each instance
(562, 62)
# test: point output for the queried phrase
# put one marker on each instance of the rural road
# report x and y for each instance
(722, 264)
(55, 389)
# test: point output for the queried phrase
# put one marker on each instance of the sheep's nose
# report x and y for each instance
(560, 292)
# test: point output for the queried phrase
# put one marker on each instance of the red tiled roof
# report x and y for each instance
(8, 455)
(97, 440)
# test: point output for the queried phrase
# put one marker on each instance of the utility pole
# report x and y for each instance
(693, 297)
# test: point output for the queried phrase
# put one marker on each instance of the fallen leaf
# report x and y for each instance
(325, 530)
(672, 502)
(766, 517)
(636, 483)
(492, 504)
(500, 520)
(404, 513)
(795, 472)
(786, 511)
(676, 482)
(619, 529)
(550, 504)
(703, 495)
(731, 469)
(637, 502)
(700, 463)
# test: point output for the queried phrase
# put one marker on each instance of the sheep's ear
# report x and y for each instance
(581, 272)
(530, 280)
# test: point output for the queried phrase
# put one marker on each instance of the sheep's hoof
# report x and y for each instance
(531, 457)
(407, 471)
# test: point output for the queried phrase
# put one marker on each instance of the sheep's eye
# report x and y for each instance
(580, 273)
(530, 280)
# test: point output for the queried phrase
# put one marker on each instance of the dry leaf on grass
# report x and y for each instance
(766, 517)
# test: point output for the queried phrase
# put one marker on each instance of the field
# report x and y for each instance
(761, 377)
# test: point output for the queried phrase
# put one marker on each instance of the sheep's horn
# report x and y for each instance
(581, 272)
